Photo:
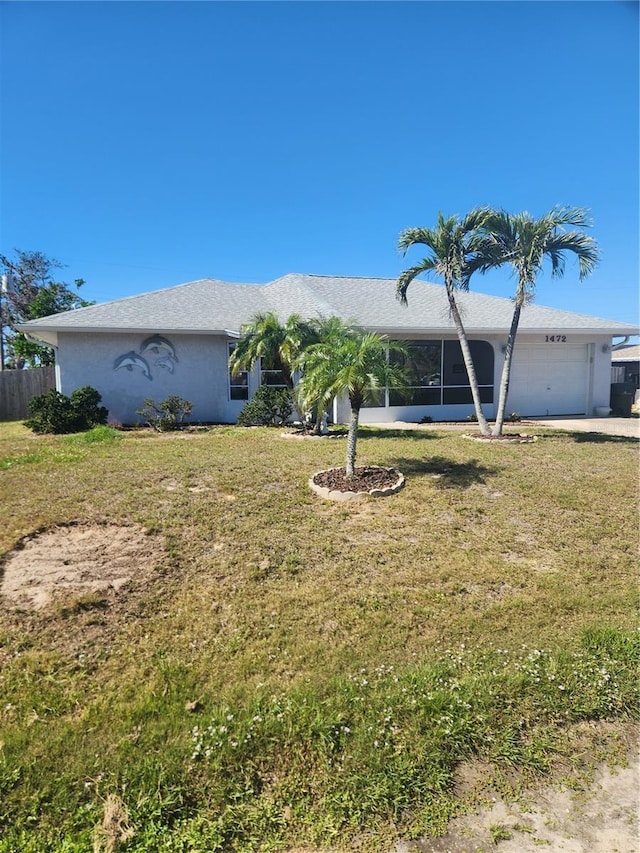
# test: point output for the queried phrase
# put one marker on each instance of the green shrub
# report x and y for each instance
(96, 435)
(167, 415)
(54, 412)
(268, 407)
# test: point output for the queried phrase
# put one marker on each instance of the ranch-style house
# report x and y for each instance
(178, 340)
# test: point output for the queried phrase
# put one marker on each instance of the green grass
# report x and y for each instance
(306, 672)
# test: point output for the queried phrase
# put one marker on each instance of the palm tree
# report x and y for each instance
(278, 344)
(451, 244)
(524, 243)
(326, 330)
(349, 361)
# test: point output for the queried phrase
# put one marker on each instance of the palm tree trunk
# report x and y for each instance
(288, 378)
(506, 370)
(350, 463)
(468, 361)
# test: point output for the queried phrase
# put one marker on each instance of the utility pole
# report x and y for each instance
(6, 287)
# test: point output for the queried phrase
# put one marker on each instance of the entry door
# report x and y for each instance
(549, 379)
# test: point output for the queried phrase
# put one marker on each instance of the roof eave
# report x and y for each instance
(37, 331)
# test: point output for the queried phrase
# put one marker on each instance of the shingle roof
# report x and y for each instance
(626, 353)
(215, 306)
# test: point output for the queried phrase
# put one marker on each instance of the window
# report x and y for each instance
(423, 364)
(238, 384)
(375, 399)
(454, 370)
(438, 375)
(272, 373)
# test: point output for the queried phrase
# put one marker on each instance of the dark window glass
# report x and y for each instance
(414, 396)
(462, 395)
(375, 399)
(421, 363)
(271, 373)
(455, 372)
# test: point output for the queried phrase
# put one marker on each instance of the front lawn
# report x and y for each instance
(292, 671)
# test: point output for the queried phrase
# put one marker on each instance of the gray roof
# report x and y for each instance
(209, 305)
(631, 352)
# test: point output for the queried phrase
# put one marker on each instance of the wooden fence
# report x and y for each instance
(17, 387)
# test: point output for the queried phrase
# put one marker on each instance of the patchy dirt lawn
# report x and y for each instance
(595, 814)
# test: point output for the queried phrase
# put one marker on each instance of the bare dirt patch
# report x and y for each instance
(76, 560)
(597, 814)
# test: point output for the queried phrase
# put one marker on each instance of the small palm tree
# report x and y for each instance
(354, 362)
(450, 246)
(328, 331)
(277, 343)
(524, 243)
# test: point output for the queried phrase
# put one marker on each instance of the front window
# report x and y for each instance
(437, 373)
(423, 365)
(238, 384)
(272, 372)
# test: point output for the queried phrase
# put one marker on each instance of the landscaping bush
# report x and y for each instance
(167, 415)
(269, 407)
(54, 412)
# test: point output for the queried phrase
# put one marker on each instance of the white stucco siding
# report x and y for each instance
(198, 373)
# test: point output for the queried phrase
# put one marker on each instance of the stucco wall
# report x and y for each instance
(199, 373)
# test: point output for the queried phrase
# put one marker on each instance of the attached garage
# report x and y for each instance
(550, 379)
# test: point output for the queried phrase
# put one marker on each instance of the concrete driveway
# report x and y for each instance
(628, 427)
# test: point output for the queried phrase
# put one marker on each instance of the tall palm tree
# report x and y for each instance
(450, 245)
(349, 361)
(265, 337)
(525, 243)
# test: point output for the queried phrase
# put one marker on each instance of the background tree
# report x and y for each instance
(354, 362)
(32, 291)
(525, 243)
(451, 246)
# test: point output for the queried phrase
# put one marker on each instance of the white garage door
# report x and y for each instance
(549, 379)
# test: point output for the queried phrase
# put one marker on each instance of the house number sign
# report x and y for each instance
(555, 339)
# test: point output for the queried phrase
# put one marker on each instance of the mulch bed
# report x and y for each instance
(366, 478)
(309, 433)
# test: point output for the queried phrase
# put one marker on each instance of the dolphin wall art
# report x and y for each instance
(167, 361)
(130, 360)
(158, 344)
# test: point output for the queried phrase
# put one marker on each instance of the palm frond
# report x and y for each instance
(418, 237)
(581, 245)
(406, 277)
(563, 215)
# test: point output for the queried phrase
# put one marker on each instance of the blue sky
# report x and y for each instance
(147, 144)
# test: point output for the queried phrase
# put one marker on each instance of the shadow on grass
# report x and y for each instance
(412, 434)
(446, 473)
(602, 438)
(590, 437)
